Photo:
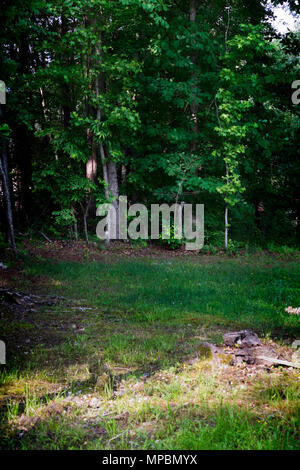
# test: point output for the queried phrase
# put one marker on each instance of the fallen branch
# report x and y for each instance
(118, 435)
(278, 362)
(45, 236)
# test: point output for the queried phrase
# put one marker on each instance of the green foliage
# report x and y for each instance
(126, 75)
(65, 217)
(168, 238)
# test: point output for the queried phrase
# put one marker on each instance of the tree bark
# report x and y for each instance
(226, 228)
(114, 190)
(194, 105)
(9, 215)
(91, 165)
(109, 167)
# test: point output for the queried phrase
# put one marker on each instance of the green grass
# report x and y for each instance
(153, 291)
(142, 319)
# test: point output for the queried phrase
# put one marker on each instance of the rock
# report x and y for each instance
(243, 339)
(204, 351)
(243, 347)
(231, 339)
(250, 341)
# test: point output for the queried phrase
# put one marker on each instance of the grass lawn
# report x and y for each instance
(110, 365)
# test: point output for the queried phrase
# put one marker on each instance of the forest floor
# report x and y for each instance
(115, 361)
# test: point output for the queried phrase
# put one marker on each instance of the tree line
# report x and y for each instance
(159, 100)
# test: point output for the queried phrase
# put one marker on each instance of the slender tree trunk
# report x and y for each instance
(76, 230)
(101, 148)
(104, 168)
(109, 168)
(23, 140)
(85, 212)
(23, 151)
(114, 190)
(65, 90)
(91, 165)
(103, 159)
(259, 215)
(194, 106)
(75, 224)
(226, 228)
(4, 174)
(227, 170)
(226, 213)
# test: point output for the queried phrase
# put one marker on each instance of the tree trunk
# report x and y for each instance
(91, 165)
(226, 228)
(75, 224)
(109, 168)
(85, 212)
(259, 215)
(23, 151)
(114, 190)
(194, 106)
(9, 216)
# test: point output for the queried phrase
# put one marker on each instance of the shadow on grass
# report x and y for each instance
(189, 427)
(147, 316)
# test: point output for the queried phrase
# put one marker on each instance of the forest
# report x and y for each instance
(157, 100)
(125, 344)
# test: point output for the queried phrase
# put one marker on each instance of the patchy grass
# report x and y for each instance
(113, 369)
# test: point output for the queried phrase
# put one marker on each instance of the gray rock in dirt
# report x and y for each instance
(231, 338)
(243, 338)
(245, 355)
(250, 341)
